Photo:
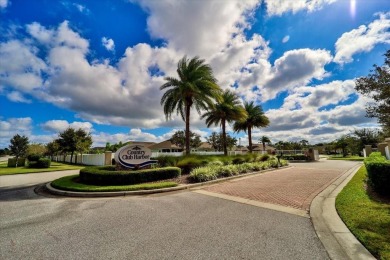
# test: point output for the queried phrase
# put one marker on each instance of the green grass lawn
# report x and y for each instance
(348, 158)
(70, 183)
(368, 218)
(4, 170)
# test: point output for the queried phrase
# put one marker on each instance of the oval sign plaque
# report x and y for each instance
(134, 156)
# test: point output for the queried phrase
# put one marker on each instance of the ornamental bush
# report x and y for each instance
(12, 162)
(187, 164)
(378, 172)
(40, 163)
(107, 175)
(33, 157)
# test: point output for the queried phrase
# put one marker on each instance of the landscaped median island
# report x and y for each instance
(364, 205)
(194, 168)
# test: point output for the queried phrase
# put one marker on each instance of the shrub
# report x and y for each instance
(296, 157)
(166, 161)
(187, 164)
(12, 162)
(215, 163)
(378, 172)
(108, 176)
(33, 157)
(264, 157)
(207, 173)
(41, 163)
(238, 160)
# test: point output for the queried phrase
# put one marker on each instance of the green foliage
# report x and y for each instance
(12, 162)
(38, 149)
(166, 160)
(378, 169)
(226, 110)
(264, 157)
(109, 176)
(209, 172)
(296, 157)
(72, 140)
(255, 118)
(196, 87)
(40, 163)
(376, 87)
(18, 146)
(191, 162)
(366, 217)
(179, 139)
(216, 141)
(71, 183)
(33, 157)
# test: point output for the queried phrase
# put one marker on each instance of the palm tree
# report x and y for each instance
(228, 109)
(196, 86)
(265, 140)
(256, 118)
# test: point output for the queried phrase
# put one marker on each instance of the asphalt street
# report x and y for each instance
(181, 225)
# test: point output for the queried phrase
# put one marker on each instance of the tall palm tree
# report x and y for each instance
(265, 140)
(196, 86)
(228, 109)
(256, 118)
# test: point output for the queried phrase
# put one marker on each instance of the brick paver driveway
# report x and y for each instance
(293, 187)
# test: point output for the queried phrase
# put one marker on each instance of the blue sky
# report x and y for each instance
(98, 65)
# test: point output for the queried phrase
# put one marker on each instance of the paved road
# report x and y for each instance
(184, 225)
(24, 180)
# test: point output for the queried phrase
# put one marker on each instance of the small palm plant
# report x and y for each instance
(265, 140)
(256, 118)
(227, 110)
(196, 86)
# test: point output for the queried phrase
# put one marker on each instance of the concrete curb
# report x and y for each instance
(338, 241)
(55, 191)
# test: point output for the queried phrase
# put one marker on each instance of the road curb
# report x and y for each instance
(337, 239)
(55, 191)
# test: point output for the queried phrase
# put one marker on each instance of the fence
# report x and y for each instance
(86, 159)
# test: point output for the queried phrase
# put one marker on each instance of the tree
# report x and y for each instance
(342, 143)
(179, 139)
(256, 118)
(264, 140)
(225, 110)
(38, 149)
(68, 142)
(215, 140)
(18, 146)
(196, 86)
(52, 148)
(84, 141)
(366, 136)
(377, 86)
(304, 143)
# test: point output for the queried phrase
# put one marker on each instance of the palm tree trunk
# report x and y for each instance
(250, 138)
(263, 146)
(188, 128)
(224, 137)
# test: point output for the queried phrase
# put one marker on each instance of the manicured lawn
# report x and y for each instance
(368, 218)
(70, 183)
(4, 170)
(348, 158)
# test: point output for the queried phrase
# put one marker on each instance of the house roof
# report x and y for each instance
(146, 144)
(259, 147)
(205, 145)
(164, 145)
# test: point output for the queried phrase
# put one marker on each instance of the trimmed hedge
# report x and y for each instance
(296, 157)
(378, 172)
(107, 175)
(33, 157)
(41, 163)
(12, 162)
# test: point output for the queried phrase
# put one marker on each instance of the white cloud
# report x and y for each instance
(16, 96)
(108, 44)
(4, 4)
(188, 27)
(363, 39)
(13, 126)
(279, 7)
(286, 38)
(57, 126)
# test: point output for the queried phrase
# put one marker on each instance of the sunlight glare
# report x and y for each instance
(352, 8)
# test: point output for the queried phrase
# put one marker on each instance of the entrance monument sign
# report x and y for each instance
(134, 156)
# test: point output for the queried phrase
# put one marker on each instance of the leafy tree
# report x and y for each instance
(256, 118)
(52, 148)
(342, 143)
(84, 141)
(215, 140)
(179, 139)
(68, 142)
(4, 152)
(18, 146)
(38, 149)
(225, 111)
(196, 86)
(304, 143)
(377, 86)
(265, 140)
